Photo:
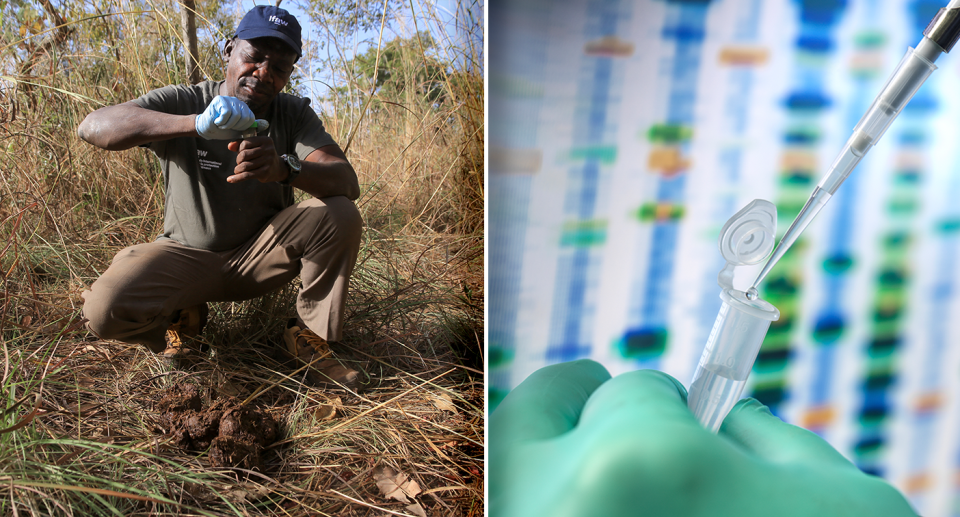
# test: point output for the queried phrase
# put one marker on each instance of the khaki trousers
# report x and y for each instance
(135, 298)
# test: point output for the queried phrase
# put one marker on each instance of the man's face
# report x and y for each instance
(257, 70)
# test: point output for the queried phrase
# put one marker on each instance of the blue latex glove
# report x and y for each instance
(570, 441)
(224, 119)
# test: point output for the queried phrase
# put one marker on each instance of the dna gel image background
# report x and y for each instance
(623, 134)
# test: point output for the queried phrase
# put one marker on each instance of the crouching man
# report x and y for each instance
(231, 228)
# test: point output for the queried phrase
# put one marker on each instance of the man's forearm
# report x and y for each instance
(127, 125)
(327, 172)
(328, 179)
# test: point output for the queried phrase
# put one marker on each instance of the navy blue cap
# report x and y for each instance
(267, 21)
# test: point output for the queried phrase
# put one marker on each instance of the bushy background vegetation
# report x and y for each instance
(400, 87)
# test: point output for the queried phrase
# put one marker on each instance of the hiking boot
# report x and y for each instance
(187, 323)
(304, 346)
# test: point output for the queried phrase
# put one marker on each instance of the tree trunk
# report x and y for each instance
(188, 21)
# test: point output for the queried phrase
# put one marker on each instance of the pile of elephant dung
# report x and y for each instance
(235, 435)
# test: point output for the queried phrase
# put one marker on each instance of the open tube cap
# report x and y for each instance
(749, 236)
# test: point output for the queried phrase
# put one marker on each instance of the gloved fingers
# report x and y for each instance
(752, 426)
(243, 118)
(218, 111)
(231, 116)
(642, 397)
(247, 118)
(547, 404)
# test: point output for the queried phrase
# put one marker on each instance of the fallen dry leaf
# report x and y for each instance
(97, 350)
(86, 381)
(443, 402)
(396, 485)
(86, 409)
(225, 386)
(327, 411)
(246, 493)
(229, 389)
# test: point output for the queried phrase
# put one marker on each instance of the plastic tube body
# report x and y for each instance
(728, 356)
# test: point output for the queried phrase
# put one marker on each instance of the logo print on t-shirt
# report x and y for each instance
(207, 165)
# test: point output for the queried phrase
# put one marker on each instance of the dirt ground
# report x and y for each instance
(236, 435)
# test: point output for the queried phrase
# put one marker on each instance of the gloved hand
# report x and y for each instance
(572, 442)
(224, 119)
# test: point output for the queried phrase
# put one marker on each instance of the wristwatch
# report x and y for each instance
(293, 165)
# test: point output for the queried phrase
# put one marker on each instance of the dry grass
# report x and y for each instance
(78, 431)
(94, 426)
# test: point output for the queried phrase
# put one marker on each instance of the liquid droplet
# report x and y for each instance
(752, 293)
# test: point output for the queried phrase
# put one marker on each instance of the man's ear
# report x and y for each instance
(228, 48)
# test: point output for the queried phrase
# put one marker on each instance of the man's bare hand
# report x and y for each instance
(256, 158)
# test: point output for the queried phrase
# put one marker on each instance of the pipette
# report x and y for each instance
(917, 64)
(748, 236)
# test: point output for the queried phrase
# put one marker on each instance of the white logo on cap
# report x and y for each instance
(277, 20)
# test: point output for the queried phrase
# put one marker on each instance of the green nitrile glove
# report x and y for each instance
(572, 442)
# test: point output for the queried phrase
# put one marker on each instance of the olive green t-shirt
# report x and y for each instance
(202, 210)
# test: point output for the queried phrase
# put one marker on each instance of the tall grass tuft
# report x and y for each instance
(78, 430)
